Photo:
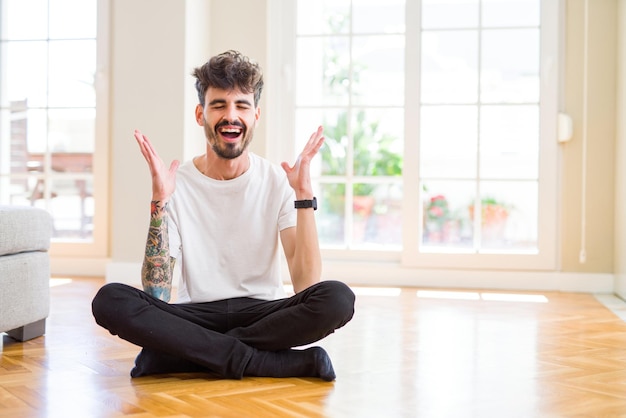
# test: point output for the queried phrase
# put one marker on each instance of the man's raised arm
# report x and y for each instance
(158, 266)
(301, 243)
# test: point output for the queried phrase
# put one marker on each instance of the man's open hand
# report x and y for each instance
(163, 179)
(299, 175)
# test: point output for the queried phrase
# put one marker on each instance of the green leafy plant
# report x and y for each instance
(373, 155)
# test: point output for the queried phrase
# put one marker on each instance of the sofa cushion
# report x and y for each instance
(24, 228)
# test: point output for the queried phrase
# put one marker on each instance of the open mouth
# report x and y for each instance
(230, 133)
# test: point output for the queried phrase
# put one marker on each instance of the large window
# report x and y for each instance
(350, 78)
(479, 125)
(48, 110)
(440, 124)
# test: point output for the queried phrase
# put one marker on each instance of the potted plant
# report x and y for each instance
(491, 211)
(493, 218)
(436, 218)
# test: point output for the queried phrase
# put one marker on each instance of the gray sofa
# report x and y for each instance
(25, 234)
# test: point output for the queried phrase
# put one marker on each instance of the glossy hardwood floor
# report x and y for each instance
(406, 353)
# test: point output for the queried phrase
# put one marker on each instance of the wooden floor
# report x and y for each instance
(462, 354)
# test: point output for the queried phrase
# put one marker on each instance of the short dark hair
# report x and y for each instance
(229, 70)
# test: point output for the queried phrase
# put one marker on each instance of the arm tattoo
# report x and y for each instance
(158, 266)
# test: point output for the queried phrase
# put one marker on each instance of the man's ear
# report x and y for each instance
(257, 113)
(200, 114)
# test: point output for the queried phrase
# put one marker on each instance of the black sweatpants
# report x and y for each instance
(221, 336)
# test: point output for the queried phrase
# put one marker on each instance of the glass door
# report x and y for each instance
(440, 125)
(48, 56)
(484, 134)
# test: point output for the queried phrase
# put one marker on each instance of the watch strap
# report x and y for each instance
(305, 204)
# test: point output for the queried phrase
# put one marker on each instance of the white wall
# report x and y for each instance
(150, 90)
(197, 51)
(242, 25)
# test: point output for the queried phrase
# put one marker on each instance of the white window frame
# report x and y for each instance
(280, 121)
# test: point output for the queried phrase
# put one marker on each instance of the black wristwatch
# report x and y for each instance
(305, 204)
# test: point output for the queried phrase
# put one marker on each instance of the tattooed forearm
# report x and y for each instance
(156, 273)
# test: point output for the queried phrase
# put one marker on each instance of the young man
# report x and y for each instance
(222, 217)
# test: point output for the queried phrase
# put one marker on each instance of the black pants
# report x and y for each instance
(222, 336)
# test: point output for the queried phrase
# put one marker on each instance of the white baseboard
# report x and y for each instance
(375, 274)
(393, 275)
(620, 285)
(78, 266)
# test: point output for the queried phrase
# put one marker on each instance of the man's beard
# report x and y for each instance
(228, 150)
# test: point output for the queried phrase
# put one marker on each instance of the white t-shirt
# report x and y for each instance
(225, 234)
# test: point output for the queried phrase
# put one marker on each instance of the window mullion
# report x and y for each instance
(412, 209)
(477, 221)
(349, 185)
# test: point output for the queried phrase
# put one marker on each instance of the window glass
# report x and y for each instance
(510, 66)
(323, 71)
(72, 207)
(449, 67)
(332, 214)
(48, 110)
(72, 131)
(378, 16)
(377, 220)
(510, 13)
(509, 142)
(350, 77)
(378, 70)
(323, 17)
(446, 215)
(378, 138)
(34, 12)
(448, 140)
(468, 134)
(508, 217)
(484, 152)
(36, 133)
(334, 152)
(72, 85)
(73, 19)
(449, 14)
(24, 74)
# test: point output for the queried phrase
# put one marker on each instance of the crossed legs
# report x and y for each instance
(232, 338)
